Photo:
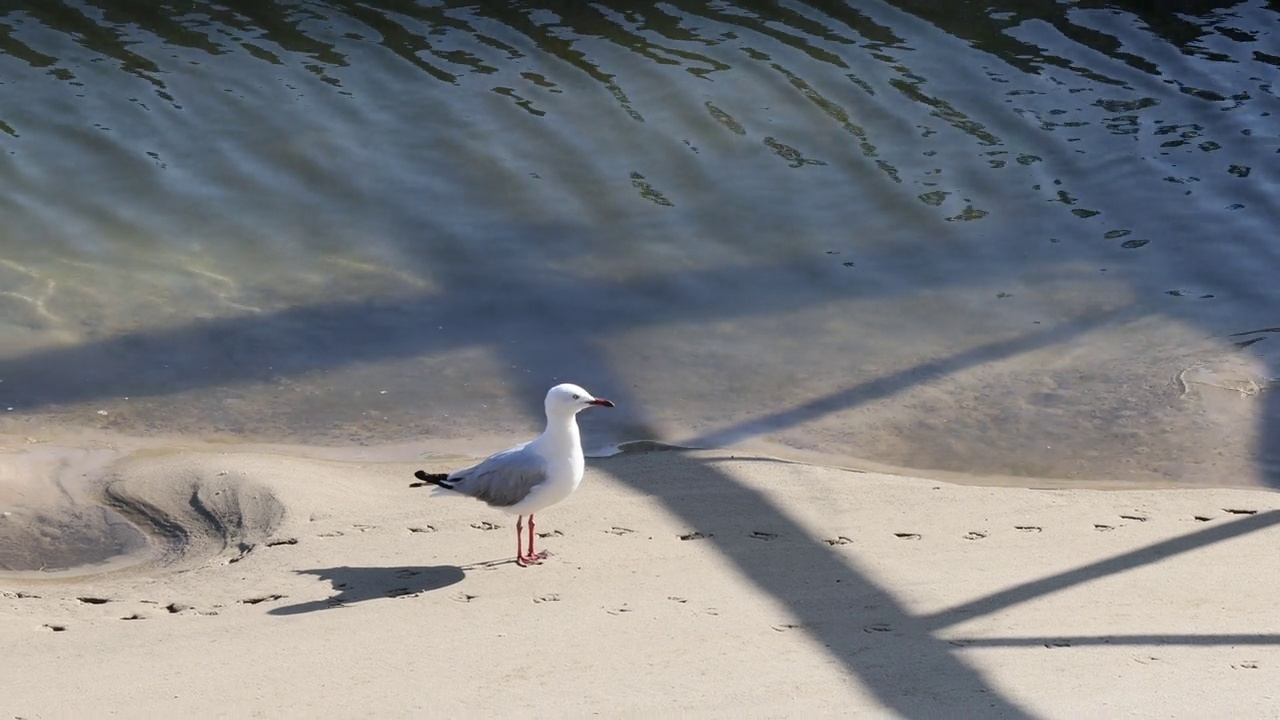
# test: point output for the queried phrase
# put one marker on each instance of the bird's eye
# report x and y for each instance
(575, 397)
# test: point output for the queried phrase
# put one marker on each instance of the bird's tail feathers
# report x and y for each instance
(440, 479)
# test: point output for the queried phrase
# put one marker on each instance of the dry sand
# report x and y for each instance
(691, 583)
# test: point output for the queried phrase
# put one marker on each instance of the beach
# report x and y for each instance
(943, 341)
(699, 583)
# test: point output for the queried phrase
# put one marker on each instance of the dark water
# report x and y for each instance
(1019, 238)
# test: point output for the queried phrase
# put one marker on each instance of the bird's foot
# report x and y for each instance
(528, 559)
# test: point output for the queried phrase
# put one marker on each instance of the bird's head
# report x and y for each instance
(571, 399)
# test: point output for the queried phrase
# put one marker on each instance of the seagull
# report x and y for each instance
(532, 475)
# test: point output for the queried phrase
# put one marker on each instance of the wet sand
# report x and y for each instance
(702, 582)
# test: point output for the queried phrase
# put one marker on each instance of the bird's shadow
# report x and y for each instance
(357, 584)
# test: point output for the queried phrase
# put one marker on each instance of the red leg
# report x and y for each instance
(532, 558)
(521, 559)
(519, 529)
(539, 556)
(531, 553)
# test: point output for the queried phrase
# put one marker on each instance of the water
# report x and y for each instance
(1029, 240)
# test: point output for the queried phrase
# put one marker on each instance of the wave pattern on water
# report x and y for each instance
(978, 238)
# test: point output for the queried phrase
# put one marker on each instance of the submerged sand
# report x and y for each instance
(702, 583)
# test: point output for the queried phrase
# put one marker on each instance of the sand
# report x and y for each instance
(695, 583)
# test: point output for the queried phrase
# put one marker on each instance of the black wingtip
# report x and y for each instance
(430, 478)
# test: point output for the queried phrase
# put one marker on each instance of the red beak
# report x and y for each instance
(601, 402)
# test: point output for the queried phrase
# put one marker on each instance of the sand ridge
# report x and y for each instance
(193, 512)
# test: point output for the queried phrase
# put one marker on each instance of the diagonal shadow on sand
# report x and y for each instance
(357, 584)
(1207, 640)
(873, 631)
(1127, 561)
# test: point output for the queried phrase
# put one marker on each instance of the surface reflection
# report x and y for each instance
(332, 222)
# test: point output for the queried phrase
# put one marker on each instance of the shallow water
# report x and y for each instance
(1026, 239)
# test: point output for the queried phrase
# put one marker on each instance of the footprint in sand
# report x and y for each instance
(786, 626)
(553, 533)
(399, 592)
(134, 616)
(694, 536)
(422, 529)
(878, 628)
(1238, 511)
(1103, 528)
(975, 535)
(406, 573)
(761, 535)
(93, 600)
(486, 525)
(549, 597)
(615, 530)
(1139, 518)
(910, 536)
(55, 628)
(464, 597)
(276, 542)
(1028, 528)
(841, 540)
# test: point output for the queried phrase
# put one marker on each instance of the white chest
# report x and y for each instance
(565, 462)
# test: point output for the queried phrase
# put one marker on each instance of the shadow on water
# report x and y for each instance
(358, 584)
(905, 378)
(873, 47)
(307, 338)
(874, 51)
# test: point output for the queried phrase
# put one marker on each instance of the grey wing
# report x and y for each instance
(503, 479)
